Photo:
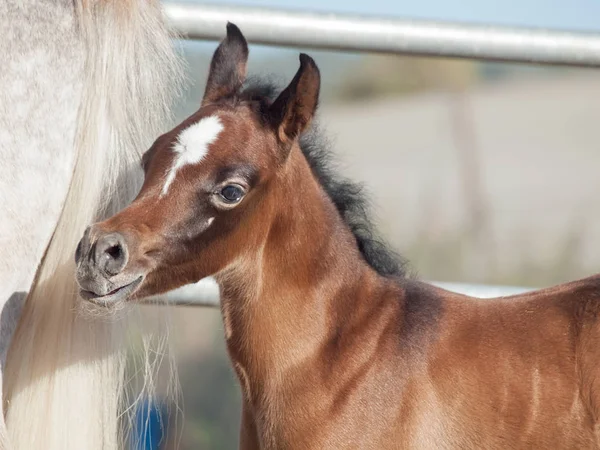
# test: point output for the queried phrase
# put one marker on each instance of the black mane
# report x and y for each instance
(347, 196)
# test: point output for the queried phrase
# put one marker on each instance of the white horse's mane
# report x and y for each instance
(63, 384)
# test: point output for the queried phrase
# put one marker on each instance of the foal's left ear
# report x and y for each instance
(228, 66)
(293, 110)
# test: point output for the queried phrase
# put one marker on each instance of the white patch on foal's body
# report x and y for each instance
(191, 146)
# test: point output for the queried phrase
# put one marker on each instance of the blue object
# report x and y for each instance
(149, 426)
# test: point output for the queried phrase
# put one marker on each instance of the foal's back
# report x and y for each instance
(515, 372)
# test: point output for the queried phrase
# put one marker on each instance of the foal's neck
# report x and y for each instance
(282, 308)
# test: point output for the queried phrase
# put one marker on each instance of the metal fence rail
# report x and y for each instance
(367, 34)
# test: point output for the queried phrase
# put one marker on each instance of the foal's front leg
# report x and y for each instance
(248, 434)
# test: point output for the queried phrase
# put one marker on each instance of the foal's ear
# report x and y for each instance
(227, 67)
(295, 107)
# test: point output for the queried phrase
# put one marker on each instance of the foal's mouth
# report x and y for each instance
(120, 293)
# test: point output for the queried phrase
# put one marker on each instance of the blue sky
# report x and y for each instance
(582, 15)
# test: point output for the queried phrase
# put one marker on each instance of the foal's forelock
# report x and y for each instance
(192, 145)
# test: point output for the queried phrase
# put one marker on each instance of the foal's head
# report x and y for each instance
(208, 189)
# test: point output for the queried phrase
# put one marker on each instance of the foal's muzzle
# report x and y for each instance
(109, 254)
(101, 261)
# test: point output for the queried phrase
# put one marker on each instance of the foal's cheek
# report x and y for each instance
(198, 227)
(190, 222)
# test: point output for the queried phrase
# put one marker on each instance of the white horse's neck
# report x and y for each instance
(40, 90)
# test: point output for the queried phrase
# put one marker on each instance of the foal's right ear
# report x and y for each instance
(227, 67)
(293, 110)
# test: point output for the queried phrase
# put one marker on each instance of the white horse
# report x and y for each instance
(85, 86)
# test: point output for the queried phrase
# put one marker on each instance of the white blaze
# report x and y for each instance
(191, 146)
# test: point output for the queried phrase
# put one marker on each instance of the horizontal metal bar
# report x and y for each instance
(203, 293)
(367, 34)
(482, 290)
(206, 293)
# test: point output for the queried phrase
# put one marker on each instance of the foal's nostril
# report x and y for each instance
(111, 253)
(114, 252)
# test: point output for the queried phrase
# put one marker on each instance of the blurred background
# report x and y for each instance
(478, 172)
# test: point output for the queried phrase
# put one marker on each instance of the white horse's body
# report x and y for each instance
(84, 88)
(41, 83)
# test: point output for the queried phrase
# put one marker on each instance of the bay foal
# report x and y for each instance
(334, 346)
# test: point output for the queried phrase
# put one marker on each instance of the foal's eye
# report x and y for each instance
(232, 193)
